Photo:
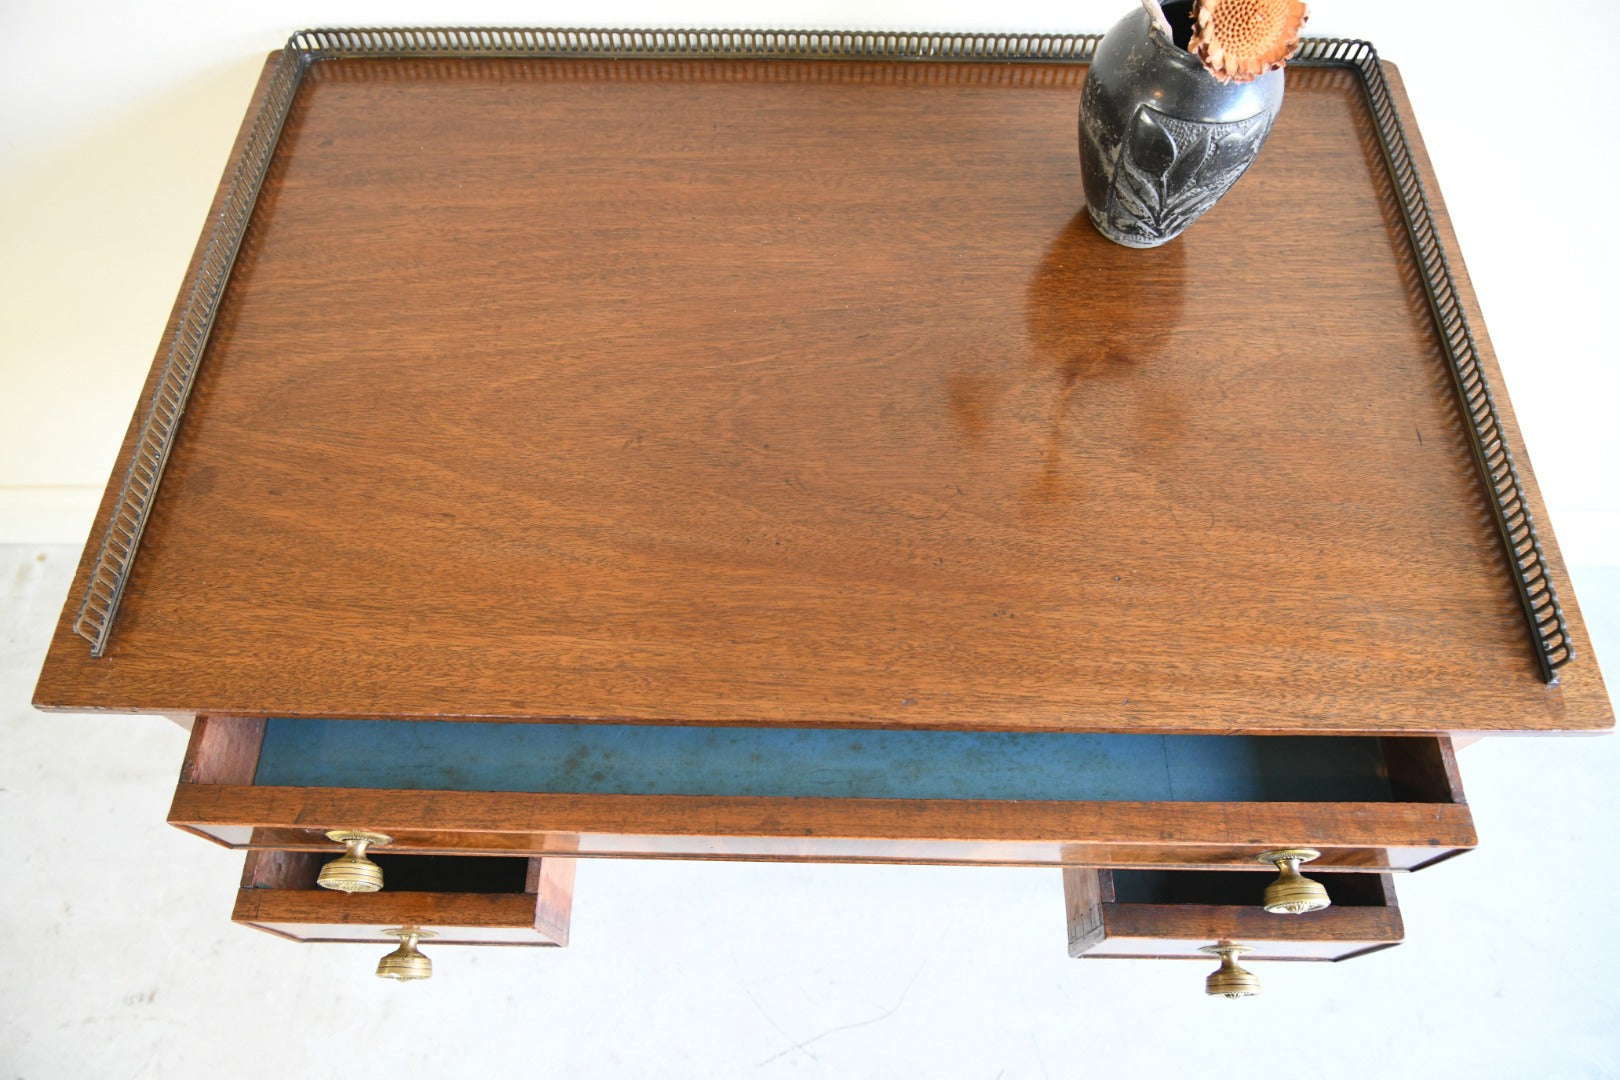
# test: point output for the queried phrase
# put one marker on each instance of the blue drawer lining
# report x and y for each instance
(623, 759)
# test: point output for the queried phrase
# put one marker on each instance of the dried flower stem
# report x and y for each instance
(1156, 15)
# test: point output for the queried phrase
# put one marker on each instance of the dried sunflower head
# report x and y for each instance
(1240, 40)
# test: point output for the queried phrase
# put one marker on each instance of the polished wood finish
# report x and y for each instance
(222, 750)
(279, 895)
(1423, 769)
(1101, 926)
(1359, 835)
(551, 882)
(281, 870)
(1082, 904)
(1434, 825)
(802, 393)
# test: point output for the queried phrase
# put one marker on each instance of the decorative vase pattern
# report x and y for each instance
(1161, 139)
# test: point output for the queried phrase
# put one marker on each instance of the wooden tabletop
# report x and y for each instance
(803, 393)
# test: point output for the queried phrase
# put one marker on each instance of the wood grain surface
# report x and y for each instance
(1005, 833)
(802, 393)
(457, 918)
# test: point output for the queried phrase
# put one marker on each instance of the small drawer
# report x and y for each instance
(1174, 914)
(824, 794)
(461, 899)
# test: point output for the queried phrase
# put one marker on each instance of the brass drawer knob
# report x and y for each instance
(1229, 980)
(1292, 894)
(406, 963)
(352, 871)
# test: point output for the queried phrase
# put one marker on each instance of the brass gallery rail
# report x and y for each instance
(160, 423)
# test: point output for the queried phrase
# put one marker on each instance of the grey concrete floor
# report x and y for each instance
(118, 958)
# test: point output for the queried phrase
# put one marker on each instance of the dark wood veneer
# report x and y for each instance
(802, 393)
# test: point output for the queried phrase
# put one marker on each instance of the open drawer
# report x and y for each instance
(824, 794)
(1178, 914)
(459, 899)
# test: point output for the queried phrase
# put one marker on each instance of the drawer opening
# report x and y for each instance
(824, 794)
(1175, 914)
(403, 873)
(620, 759)
(463, 899)
(452, 873)
(1236, 888)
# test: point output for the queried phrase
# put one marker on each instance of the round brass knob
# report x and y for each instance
(1229, 980)
(352, 871)
(1292, 894)
(406, 963)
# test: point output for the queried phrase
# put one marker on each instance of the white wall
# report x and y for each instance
(116, 125)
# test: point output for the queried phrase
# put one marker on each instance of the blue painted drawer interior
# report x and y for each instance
(621, 759)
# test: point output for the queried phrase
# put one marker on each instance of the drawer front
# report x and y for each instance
(461, 900)
(824, 795)
(1175, 914)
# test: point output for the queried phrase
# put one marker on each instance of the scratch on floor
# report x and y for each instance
(884, 1015)
(771, 1020)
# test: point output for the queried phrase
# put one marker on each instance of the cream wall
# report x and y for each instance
(116, 125)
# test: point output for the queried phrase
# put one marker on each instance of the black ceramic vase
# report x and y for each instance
(1161, 139)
